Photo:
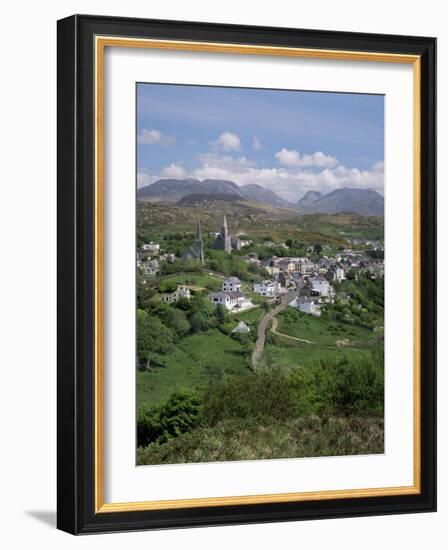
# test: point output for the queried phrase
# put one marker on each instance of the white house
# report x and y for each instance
(233, 301)
(168, 257)
(306, 305)
(241, 328)
(153, 248)
(231, 284)
(339, 274)
(245, 242)
(320, 287)
(268, 288)
(180, 292)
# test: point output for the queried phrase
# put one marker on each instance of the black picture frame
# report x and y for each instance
(76, 255)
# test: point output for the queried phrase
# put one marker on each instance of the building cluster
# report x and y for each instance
(149, 258)
(313, 282)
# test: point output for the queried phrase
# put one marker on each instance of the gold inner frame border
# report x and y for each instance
(101, 42)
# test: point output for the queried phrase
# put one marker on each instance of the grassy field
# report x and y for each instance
(203, 357)
(328, 339)
(287, 354)
(200, 280)
(195, 361)
(322, 331)
(252, 316)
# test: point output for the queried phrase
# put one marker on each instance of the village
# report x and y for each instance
(306, 283)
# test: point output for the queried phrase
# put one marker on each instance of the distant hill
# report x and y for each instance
(366, 202)
(255, 192)
(206, 199)
(172, 190)
(308, 199)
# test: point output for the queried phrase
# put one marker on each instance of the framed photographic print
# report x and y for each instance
(246, 269)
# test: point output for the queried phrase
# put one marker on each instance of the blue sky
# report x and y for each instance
(287, 141)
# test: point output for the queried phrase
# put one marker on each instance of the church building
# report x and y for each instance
(224, 241)
(196, 250)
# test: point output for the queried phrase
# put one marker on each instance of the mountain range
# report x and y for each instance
(366, 202)
(184, 192)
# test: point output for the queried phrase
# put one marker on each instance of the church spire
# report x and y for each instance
(199, 231)
(225, 227)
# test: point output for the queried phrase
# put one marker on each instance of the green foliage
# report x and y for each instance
(346, 386)
(191, 278)
(176, 416)
(144, 293)
(357, 386)
(152, 337)
(250, 439)
(202, 316)
(188, 266)
(196, 360)
(264, 394)
(176, 319)
(366, 304)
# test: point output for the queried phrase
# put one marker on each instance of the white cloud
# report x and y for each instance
(174, 171)
(256, 144)
(154, 137)
(292, 158)
(378, 166)
(225, 161)
(227, 142)
(145, 179)
(289, 182)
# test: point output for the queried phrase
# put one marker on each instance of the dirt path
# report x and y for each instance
(274, 330)
(261, 334)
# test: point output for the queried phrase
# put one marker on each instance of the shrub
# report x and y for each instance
(265, 394)
(176, 416)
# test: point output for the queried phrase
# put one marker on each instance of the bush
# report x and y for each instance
(176, 416)
(265, 394)
(246, 439)
(348, 387)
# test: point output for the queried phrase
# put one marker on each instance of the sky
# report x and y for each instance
(287, 141)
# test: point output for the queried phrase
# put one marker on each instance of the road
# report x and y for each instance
(261, 334)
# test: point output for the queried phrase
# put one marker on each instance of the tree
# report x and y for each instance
(221, 314)
(183, 304)
(176, 320)
(317, 248)
(144, 293)
(152, 337)
(202, 314)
